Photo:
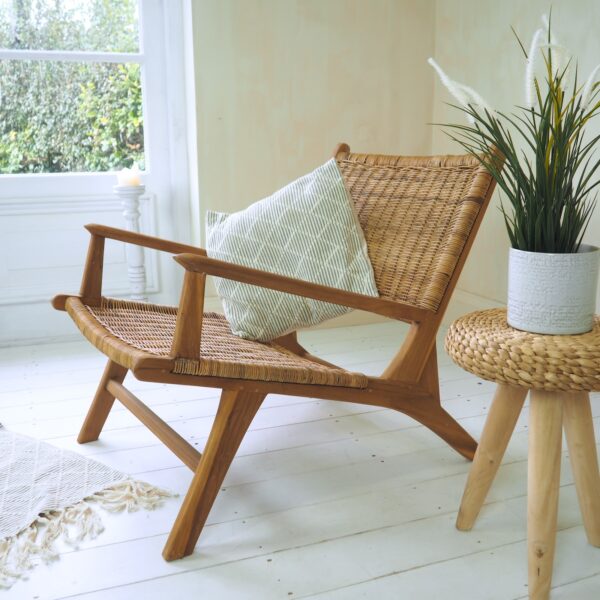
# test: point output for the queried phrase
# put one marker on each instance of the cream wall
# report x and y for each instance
(280, 82)
(474, 44)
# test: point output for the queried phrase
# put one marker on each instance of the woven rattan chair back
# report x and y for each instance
(417, 214)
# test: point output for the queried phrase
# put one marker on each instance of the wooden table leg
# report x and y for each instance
(545, 441)
(579, 431)
(499, 426)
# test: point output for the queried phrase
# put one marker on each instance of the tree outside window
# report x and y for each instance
(67, 115)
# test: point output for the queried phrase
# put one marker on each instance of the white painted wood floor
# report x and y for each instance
(325, 499)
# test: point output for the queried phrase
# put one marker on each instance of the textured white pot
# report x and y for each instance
(553, 293)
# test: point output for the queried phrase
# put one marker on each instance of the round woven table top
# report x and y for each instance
(484, 344)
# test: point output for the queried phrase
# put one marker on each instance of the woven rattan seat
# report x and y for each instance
(419, 214)
(484, 344)
(150, 328)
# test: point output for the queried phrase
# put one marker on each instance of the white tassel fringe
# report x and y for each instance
(35, 544)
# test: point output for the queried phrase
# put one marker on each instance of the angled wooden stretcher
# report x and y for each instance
(419, 216)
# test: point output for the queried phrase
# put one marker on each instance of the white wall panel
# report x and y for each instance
(42, 252)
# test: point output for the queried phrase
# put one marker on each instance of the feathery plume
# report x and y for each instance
(588, 87)
(532, 60)
(475, 97)
(465, 95)
(454, 88)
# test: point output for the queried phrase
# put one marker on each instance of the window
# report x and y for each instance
(70, 85)
(99, 84)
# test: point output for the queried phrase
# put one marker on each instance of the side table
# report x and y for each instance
(560, 371)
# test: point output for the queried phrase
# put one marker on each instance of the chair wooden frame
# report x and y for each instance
(409, 384)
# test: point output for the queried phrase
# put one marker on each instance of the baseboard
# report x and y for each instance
(213, 304)
(38, 341)
(462, 302)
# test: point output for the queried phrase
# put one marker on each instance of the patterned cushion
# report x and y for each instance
(307, 230)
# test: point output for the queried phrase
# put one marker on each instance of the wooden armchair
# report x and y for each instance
(419, 215)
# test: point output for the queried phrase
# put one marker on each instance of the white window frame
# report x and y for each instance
(16, 184)
(169, 137)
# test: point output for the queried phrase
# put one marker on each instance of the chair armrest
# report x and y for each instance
(91, 283)
(140, 239)
(298, 287)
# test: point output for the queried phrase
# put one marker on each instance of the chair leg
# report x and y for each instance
(101, 404)
(579, 431)
(431, 414)
(443, 424)
(545, 439)
(235, 413)
(498, 429)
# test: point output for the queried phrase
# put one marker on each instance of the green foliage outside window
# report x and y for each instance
(69, 116)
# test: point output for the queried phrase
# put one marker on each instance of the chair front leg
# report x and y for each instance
(235, 413)
(101, 404)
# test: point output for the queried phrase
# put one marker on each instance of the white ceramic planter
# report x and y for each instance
(553, 293)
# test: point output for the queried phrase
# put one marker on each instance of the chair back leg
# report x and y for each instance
(429, 412)
(235, 413)
(445, 426)
(101, 404)
(437, 419)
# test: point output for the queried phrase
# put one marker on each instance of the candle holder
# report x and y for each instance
(136, 271)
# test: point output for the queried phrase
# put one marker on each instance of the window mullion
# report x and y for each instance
(71, 56)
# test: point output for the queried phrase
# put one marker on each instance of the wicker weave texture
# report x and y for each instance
(416, 214)
(149, 328)
(485, 345)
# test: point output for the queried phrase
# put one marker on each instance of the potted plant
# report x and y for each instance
(549, 177)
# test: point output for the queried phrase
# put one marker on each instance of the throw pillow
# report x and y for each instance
(307, 230)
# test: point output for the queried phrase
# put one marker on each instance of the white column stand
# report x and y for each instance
(130, 198)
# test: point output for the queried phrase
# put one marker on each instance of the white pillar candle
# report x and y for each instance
(129, 177)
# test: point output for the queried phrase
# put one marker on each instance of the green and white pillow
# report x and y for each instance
(307, 230)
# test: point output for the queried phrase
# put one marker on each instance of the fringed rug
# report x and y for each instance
(47, 493)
